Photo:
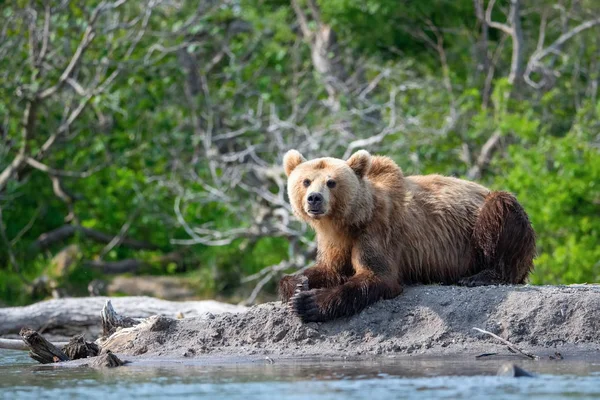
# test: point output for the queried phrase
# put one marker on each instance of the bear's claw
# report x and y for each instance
(301, 286)
(290, 285)
(304, 305)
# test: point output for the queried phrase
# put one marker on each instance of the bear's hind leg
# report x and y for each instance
(503, 242)
(360, 291)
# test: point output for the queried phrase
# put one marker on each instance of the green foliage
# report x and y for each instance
(243, 67)
(563, 174)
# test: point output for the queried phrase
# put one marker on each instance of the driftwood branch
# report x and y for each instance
(509, 344)
(78, 348)
(111, 321)
(45, 352)
(40, 349)
(73, 316)
(16, 344)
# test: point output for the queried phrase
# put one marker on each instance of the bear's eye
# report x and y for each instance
(306, 183)
(331, 184)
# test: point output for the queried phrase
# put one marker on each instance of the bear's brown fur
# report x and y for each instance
(378, 229)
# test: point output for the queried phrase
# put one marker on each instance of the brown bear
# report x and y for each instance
(378, 230)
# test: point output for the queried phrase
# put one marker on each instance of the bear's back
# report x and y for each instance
(435, 217)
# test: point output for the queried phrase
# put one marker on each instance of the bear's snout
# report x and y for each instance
(315, 201)
(316, 204)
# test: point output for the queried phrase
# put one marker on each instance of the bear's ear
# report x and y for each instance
(291, 160)
(360, 162)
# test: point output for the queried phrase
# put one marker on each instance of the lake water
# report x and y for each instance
(397, 378)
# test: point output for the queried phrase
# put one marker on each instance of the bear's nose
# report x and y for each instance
(315, 199)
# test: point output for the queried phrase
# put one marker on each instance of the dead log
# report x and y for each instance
(78, 348)
(73, 316)
(12, 344)
(16, 344)
(111, 321)
(45, 352)
(40, 349)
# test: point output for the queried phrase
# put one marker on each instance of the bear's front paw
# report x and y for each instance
(290, 285)
(304, 304)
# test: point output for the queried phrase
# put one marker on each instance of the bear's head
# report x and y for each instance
(328, 188)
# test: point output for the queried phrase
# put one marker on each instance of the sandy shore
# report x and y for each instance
(424, 320)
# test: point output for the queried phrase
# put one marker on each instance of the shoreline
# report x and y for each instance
(425, 321)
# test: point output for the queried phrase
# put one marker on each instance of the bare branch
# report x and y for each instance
(88, 37)
(489, 78)
(27, 227)
(565, 37)
(45, 35)
(118, 239)
(485, 156)
(308, 34)
(314, 10)
(10, 170)
(518, 46)
(542, 34)
(515, 31)
(250, 300)
(496, 25)
(535, 60)
(76, 86)
(44, 168)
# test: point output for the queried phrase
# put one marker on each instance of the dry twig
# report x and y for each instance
(509, 344)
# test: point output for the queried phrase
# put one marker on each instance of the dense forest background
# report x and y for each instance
(146, 137)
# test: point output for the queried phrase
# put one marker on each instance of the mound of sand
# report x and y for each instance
(423, 320)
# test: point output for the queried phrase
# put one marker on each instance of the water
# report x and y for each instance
(397, 378)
